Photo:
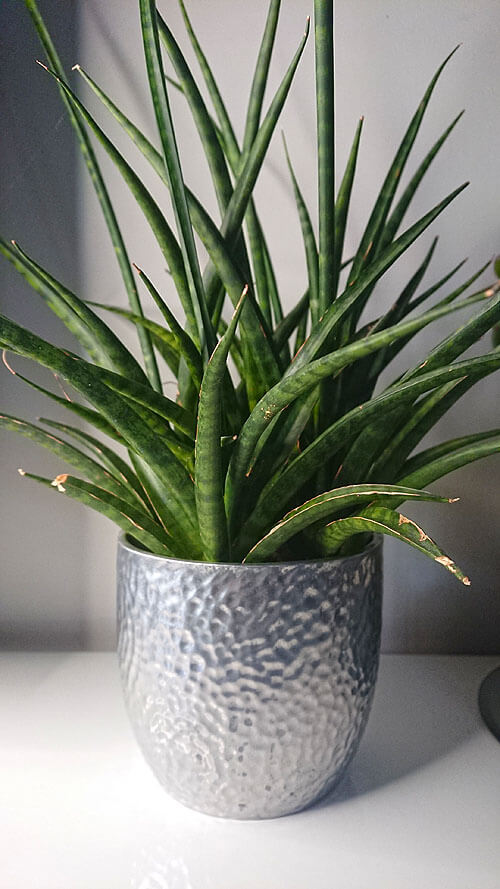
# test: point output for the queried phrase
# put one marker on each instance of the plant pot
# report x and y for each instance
(248, 686)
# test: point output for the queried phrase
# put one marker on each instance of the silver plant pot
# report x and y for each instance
(248, 686)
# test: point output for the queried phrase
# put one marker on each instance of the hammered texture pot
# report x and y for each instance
(248, 686)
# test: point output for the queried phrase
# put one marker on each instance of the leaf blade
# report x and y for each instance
(208, 455)
(99, 186)
(387, 521)
(156, 76)
(123, 514)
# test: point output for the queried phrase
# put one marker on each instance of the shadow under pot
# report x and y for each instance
(248, 686)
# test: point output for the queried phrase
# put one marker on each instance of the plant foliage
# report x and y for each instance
(293, 452)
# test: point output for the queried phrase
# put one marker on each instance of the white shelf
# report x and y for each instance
(79, 809)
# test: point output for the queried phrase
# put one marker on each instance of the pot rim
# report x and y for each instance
(374, 544)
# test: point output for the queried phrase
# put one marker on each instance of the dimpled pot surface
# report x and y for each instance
(248, 686)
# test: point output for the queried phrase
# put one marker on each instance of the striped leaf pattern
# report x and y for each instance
(279, 443)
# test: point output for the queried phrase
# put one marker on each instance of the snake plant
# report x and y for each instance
(281, 443)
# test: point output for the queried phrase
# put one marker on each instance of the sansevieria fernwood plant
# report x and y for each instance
(279, 444)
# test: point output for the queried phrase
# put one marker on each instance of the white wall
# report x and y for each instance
(386, 53)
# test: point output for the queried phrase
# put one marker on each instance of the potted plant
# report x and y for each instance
(252, 507)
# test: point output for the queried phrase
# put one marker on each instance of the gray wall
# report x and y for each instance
(42, 569)
(57, 575)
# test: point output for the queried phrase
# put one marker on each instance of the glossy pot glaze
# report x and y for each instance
(248, 686)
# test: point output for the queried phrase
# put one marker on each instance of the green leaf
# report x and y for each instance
(275, 447)
(437, 461)
(367, 457)
(386, 521)
(320, 508)
(274, 297)
(159, 404)
(392, 351)
(69, 454)
(260, 273)
(156, 76)
(157, 331)
(201, 117)
(185, 545)
(106, 342)
(266, 289)
(290, 322)
(252, 322)
(281, 490)
(159, 226)
(461, 339)
(58, 306)
(412, 430)
(370, 242)
(342, 206)
(266, 285)
(423, 297)
(437, 286)
(400, 307)
(254, 111)
(337, 312)
(325, 125)
(109, 458)
(208, 454)
(260, 76)
(363, 377)
(89, 381)
(207, 130)
(404, 202)
(305, 379)
(185, 344)
(309, 240)
(85, 413)
(252, 164)
(220, 109)
(301, 334)
(130, 519)
(235, 349)
(100, 189)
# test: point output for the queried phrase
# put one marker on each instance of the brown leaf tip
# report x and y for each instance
(7, 365)
(59, 482)
(76, 68)
(466, 581)
(41, 64)
(21, 472)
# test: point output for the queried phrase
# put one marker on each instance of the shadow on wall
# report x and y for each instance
(43, 550)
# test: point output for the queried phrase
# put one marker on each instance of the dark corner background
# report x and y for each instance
(40, 588)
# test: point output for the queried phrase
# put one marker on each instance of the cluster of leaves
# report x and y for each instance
(292, 453)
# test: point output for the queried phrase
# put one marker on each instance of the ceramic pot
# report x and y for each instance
(248, 686)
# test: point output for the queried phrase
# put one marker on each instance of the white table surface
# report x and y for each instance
(79, 809)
